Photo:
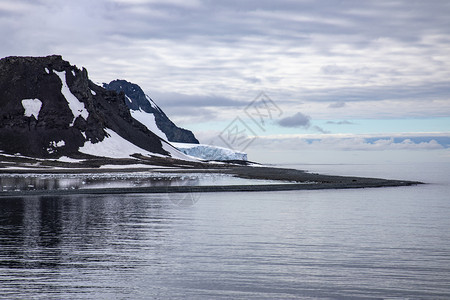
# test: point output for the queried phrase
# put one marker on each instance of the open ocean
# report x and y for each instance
(383, 243)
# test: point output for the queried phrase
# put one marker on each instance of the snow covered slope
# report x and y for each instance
(209, 152)
(148, 120)
(115, 146)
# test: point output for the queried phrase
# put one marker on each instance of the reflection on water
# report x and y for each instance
(20, 182)
(304, 244)
(78, 245)
(92, 181)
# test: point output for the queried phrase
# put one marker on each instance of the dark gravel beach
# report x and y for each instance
(290, 179)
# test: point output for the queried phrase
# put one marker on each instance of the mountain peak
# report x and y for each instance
(145, 110)
(135, 98)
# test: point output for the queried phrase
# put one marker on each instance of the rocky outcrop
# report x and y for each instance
(137, 100)
(49, 108)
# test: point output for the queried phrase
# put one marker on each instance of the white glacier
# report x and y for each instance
(209, 152)
(32, 107)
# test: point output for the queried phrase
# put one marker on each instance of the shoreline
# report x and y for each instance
(300, 180)
(204, 189)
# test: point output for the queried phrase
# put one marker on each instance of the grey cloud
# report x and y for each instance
(337, 105)
(194, 101)
(297, 120)
(189, 115)
(333, 69)
(300, 120)
(252, 79)
(376, 93)
(320, 129)
(357, 143)
(237, 46)
(340, 70)
(345, 122)
(231, 20)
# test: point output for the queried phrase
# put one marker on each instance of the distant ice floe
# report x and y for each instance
(209, 152)
(32, 107)
(75, 105)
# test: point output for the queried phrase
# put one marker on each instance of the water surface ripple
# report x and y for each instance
(347, 244)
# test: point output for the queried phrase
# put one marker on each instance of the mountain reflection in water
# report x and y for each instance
(22, 182)
(387, 243)
(65, 245)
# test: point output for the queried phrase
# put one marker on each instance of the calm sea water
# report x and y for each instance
(386, 243)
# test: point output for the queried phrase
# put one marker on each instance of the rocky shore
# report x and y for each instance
(289, 179)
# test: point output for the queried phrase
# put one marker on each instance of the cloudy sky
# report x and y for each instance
(287, 80)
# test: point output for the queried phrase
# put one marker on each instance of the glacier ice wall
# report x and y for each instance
(209, 152)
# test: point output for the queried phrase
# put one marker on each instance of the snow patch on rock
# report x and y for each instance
(75, 105)
(148, 120)
(151, 102)
(58, 144)
(209, 152)
(54, 144)
(32, 107)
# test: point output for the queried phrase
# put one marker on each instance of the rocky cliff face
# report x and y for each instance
(49, 108)
(137, 100)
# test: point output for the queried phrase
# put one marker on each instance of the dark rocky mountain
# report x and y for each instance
(49, 108)
(137, 100)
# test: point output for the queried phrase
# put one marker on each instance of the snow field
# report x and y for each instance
(113, 146)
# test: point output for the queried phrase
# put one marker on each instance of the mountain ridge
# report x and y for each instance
(67, 111)
(137, 100)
